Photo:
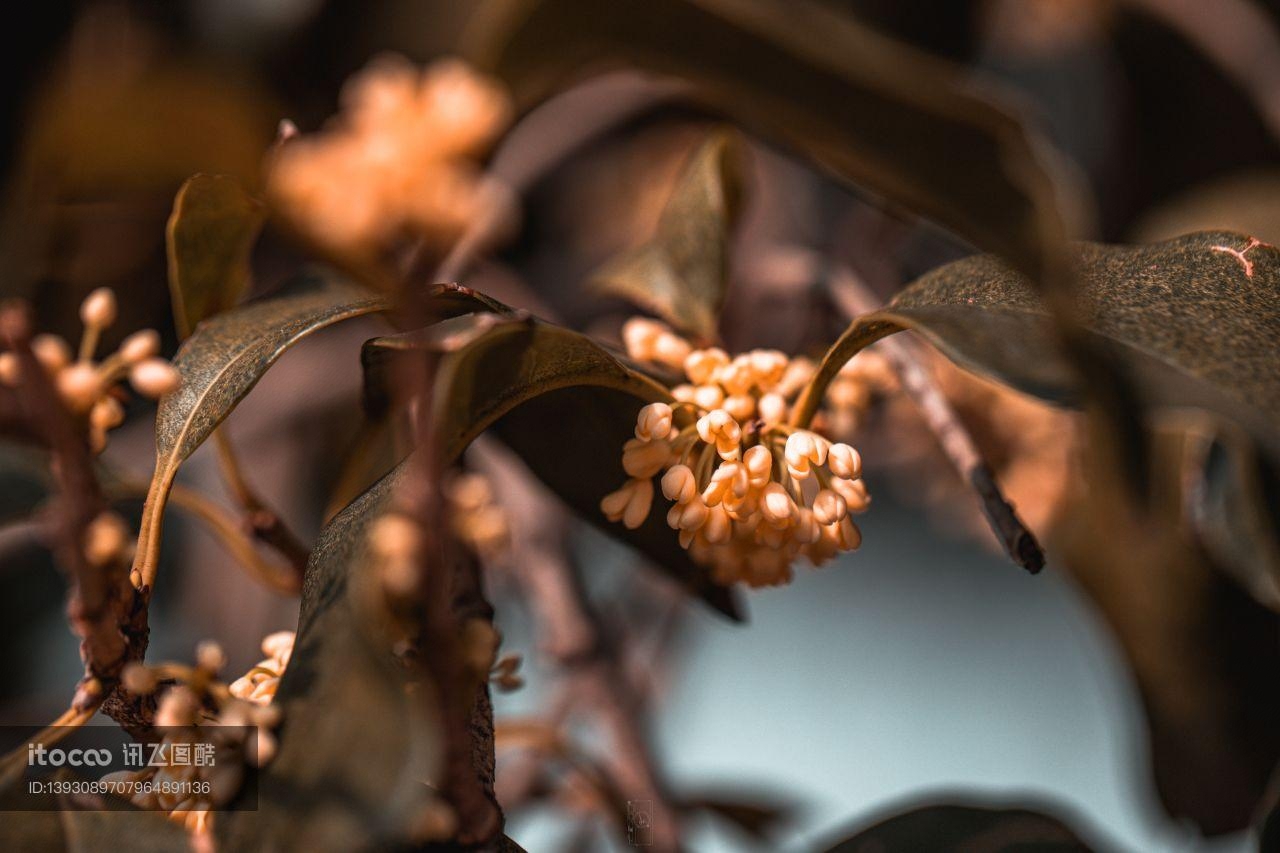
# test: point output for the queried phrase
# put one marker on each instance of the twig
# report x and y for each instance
(906, 357)
(227, 527)
(570, 633)
(263, 522)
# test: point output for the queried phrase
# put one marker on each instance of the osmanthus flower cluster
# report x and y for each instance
(199, 708)
(88, 388)
(749, 492)
(399, 160)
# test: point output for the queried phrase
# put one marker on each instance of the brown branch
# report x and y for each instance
(906, 357)
(448, 600)
(102, 605)
(590, 661)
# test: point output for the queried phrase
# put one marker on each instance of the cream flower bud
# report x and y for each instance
(719, 428)
(718, 527)
(854, 493)
(759, 462)
(138, 679)
(644, 458)
(98, 311)
(178, 707)
(700, 365)
(729, 479)
(767, 367)
(737, 376)
(629, 504)
(708, 397)
(469, 491)
(210, 656)
(844, 461)
(279, 645)
(684, 393)
(654, 421)
(393, 537)
(106, 414)
(741, 406)
(79, 386)
(9, 369)
(690, 515)
(154, 377)
(105, 539)
(803, 450)
(679, 484)
(773, 408)
(776, 505)
(807, 529)
(829, 507)
(639, 334)
(140, 346)
(770, 536)
(51, 351)
(797, 375)
(847, 534)
(671, 350)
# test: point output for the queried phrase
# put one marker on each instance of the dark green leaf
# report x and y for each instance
(562, 402)
(220, 363)
(355, 747)
(972, 829)
(681, 274)
(211, 232)
(1194, 322)
(903, 125)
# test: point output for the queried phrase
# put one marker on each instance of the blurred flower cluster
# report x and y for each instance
(399, 161)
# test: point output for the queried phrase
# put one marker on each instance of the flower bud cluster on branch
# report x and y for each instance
(750, 493)
(89, 389)
(196, 699)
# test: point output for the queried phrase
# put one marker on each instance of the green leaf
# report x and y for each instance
(562, 402)
(220, 363)
(356, 749)
(964, 827)
(1194, 324)
(211, 232)
(906, 126)
(681, 274)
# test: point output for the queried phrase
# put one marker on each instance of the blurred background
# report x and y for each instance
(921, 666)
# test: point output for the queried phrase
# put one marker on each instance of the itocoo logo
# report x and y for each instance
(38, 755)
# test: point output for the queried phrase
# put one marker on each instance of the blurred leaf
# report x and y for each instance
(220, 363)
(971, 829)
(757, 814)
(559, 400)
(681, 274)
(211, 232)
(875, 112)
(356, 747)
(1193, 320)
(1204, 653)
(66, 829)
